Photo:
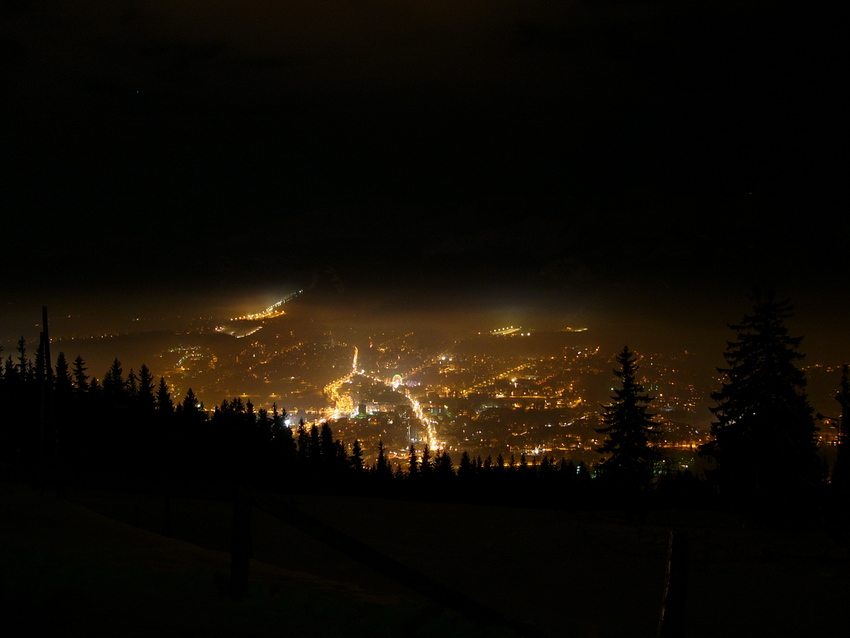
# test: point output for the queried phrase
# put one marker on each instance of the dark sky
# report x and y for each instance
(649, 156)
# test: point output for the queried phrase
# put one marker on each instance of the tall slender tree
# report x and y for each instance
(315, 456)
(383, 471)
(164, 404)
(145, 394)
(412, 461)
(426, 465)
(326, 444)
(443, 466)
(303, 439)
(763, 440)
(81, 379)
(465, 468)
(62, 377)
(356, 458)
(113, 380)
(131, 385)
(629, 428)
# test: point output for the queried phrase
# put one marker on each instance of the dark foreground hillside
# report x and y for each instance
(95, 563)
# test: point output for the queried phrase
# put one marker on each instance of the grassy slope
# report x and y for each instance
(66, 570)
(566, 573)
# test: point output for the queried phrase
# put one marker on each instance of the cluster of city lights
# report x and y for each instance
(509, 330)
(272, 311)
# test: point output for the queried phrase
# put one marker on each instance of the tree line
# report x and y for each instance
(127, 427)
(763, 442)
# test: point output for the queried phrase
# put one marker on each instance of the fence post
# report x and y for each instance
(240, 550)
(671, 624)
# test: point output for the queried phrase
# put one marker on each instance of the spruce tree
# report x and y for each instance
(190, 404)
(629, 429)
(426, 466)
(145, 393)
(62, 379)
(465, 469)
(412, 461)
(81, 379)
(340, 467)
(113, 380)
(315, 455)
(763, 440)
(326, 444)
(382, 468)
(131, 385)
(356, 458)
(443, 466)
(164, 404)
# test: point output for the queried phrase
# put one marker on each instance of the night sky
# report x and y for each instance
(634, 158)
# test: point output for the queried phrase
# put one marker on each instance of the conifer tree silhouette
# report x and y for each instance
(164, 404)
(356, 458)
(763, 440)
(629, 429)
(81, 379)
